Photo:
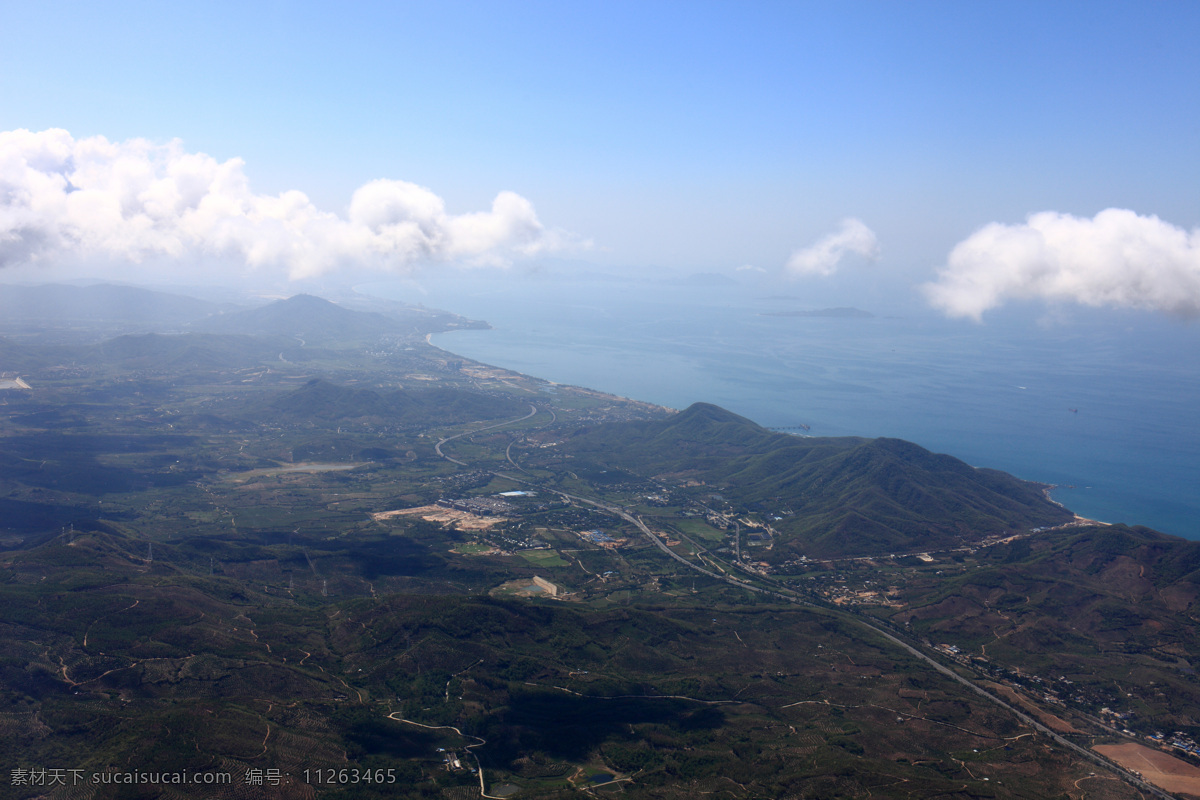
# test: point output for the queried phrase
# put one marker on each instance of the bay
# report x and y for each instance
(1103, 405)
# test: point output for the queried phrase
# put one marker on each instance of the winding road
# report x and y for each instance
(533, 410)
(622, 513)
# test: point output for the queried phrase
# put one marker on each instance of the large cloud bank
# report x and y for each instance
(825, 256)
(134, 200)
(1116, 258)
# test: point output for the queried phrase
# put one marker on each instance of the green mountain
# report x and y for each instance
(835, 496)
(317, 321)
(1118, 584)
(1082, 611)
(309, 318)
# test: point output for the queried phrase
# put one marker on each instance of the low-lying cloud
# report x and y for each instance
(826, 255)
(134, 200)
(1117, 258)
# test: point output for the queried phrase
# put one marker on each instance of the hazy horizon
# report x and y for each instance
(1002, 171)
(957, 156)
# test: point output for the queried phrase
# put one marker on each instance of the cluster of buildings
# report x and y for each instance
(833, 586)
(1180, 741)
(598, 537)
(452, 763)
(514, 541)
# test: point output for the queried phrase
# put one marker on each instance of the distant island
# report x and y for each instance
(704, 279)
(843, 313)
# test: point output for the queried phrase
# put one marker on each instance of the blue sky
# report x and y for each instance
(694, 136)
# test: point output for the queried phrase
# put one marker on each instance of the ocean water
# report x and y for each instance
(1104, 405)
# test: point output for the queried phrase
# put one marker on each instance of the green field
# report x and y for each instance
(700, 528)
(544, 558)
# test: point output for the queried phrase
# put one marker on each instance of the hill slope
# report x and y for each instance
(130, 305)
(304, 316)
(846, 496)
(319, 322)
(1131, 589)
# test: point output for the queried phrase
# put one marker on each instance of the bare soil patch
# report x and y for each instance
(1157, 767)
(1046, 718)
(446, 517)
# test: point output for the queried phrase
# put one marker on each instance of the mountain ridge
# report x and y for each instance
(837, 496)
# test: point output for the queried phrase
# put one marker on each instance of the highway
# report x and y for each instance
(438, 447)
(1095, 758)
(622, 513)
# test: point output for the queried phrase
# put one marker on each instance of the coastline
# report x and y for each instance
(512, 374)
(1046, 487)
(1100, 496)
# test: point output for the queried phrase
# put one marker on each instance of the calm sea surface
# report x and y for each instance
(1108, 405)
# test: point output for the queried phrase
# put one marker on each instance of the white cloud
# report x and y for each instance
(1117, 258)
(825, 256)
(134, 200)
